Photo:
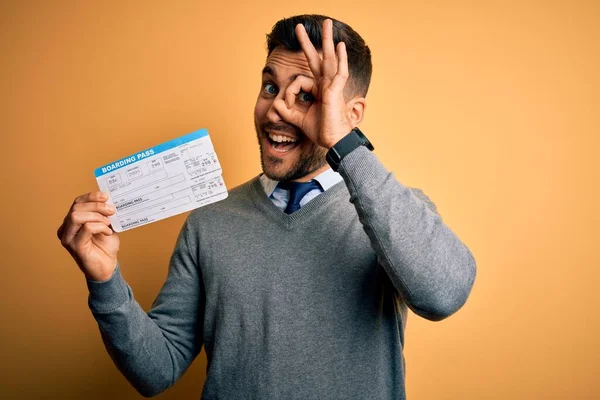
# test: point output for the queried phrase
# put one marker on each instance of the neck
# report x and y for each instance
(310, 176)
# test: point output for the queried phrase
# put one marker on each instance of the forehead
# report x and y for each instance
(284, 63)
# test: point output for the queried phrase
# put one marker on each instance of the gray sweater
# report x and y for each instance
(311, 305)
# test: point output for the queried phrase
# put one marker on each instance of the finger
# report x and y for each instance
(62, 227)
(88, 230)
(312, 55)
(102, 208)
(77, 219)
(329, 60)
(60, 230)
(97, 196)
(290, 115)
(342, 75)
(92, 196)
(300, 84)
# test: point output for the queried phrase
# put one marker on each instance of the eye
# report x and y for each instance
(269, 88)
(306, 97)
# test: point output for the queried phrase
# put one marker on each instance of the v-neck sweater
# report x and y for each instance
(311, 305)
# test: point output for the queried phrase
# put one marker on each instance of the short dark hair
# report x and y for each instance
(359, 55)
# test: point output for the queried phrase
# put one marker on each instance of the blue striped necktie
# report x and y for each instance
(297, 191)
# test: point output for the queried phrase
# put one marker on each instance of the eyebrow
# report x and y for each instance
(269, 70)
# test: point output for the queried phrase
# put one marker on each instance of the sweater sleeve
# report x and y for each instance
(427, 263)
(153, 349)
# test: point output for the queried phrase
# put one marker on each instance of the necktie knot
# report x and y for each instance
(297, 192)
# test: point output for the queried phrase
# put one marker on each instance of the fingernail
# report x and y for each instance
(111, 208)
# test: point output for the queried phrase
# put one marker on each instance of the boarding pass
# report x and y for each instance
(165, 180)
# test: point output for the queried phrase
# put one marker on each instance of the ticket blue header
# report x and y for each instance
(108, 168)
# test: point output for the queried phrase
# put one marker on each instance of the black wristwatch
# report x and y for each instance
(346, 144)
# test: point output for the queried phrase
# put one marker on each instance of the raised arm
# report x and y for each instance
(427, 263)
(429, 266)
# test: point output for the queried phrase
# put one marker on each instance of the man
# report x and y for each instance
(298, 283)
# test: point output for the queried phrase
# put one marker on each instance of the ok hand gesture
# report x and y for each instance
(326, 121)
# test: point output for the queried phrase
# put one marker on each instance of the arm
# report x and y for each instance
(427, 263)
(153, 350)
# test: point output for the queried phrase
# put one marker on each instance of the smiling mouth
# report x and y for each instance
(282, 143)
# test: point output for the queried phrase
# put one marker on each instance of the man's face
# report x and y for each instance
(286, 152)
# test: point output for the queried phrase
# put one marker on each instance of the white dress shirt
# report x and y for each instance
(280, 197)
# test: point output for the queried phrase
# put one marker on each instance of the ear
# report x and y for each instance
(356, 110)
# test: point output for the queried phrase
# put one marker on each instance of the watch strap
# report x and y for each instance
(345, 146)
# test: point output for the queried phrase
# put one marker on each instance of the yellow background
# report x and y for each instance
(492, 108)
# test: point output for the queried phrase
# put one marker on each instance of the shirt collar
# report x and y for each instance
(326, 179)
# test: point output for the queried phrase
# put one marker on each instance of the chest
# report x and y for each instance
(246, 266)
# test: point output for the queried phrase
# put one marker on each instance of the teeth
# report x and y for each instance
(281, 139)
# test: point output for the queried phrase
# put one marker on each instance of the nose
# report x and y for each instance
(272, 114)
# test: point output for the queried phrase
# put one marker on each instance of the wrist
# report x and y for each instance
(329, 144)
(345, 146)
(109, 295)
(334, 139)
(102, 275)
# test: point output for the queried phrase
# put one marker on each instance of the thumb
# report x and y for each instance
(290, 115)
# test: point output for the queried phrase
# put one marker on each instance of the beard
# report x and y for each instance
(311, 158)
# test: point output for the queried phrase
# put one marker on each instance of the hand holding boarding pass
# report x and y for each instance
(145, 187)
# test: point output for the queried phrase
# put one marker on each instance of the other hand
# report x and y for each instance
(87, 235)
